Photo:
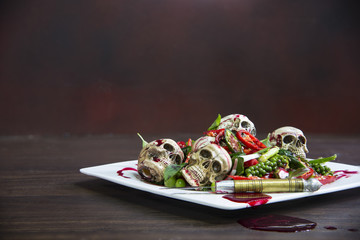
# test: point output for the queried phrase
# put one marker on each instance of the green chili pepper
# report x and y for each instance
(238, 161)
(323, 160)
(271, 152)
(232, 142)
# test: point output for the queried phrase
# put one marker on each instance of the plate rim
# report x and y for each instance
(205, 199)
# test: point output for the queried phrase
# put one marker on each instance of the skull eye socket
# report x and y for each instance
(176, 158)
(236, 123)
(253, 131)
(302, 139)
(216, 166)
(288, 139)
(205, 153)
(168, 147)
(245, 124)
(152, 153)
(192, 162)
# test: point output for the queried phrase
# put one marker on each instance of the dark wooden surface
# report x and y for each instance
(44, 196)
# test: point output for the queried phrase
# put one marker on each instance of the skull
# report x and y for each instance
(290, 138)
(202, 142)
(206, 165)
(156, 156)
(236, 122)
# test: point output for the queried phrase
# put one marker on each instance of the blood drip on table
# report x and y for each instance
(253, 199)
(330, 228)
(278, 223)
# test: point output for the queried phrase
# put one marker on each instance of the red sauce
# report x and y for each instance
(278, 223)
(335, 228)
(344, 173)
(121, 172)
(159, 142)
(330, 228)
(253, 199)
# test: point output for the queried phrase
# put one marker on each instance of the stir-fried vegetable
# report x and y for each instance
(270, 161)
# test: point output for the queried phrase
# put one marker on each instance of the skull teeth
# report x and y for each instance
(193, 176)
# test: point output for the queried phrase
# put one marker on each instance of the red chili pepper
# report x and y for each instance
(189, 142)
(181, 144)
(220, 135)
(214, 133)
(250, 141)
(250, 163)
(326, 179)
(236, 177)
(308, 174)
(248, 151)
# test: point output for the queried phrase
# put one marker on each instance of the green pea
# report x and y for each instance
(170, 182)
(180, 182)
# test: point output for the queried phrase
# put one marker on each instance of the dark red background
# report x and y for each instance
(98, 67)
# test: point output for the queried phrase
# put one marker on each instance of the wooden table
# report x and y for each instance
(44, 196)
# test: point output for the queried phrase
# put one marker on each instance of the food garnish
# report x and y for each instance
(225, 153)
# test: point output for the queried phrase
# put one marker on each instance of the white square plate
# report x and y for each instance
(131, 178)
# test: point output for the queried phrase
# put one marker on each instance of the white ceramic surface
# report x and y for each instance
(132, 179)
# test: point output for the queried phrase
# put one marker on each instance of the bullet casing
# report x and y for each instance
(261, 186)
(267, 185)
(271, 185)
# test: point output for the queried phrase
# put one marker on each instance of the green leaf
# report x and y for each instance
(216, 123)
(186, 150)
(143, 141)
(171, 173)
(266, 142)
(294, 162)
